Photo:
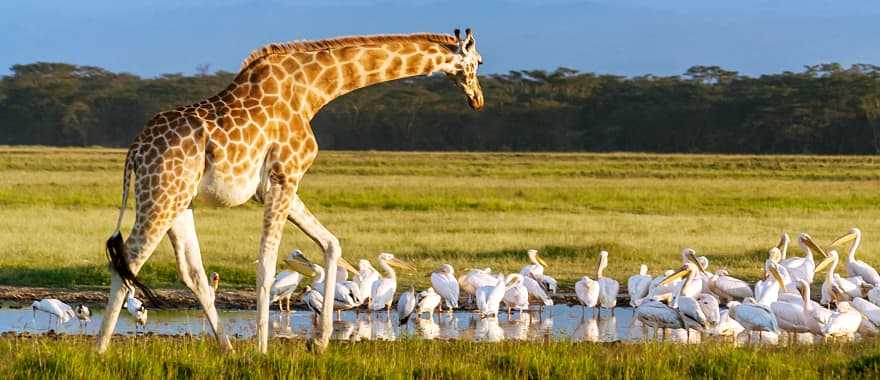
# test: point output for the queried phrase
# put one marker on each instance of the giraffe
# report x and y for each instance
(253, 140)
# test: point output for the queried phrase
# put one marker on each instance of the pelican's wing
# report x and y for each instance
(482, 295)
(789, 315)
(733, 286)
(550, 283)
(688, 307)
(285, 283)
(535, 290)
(863, 269)
(447, 287)
(382, 293)
(608, 289)
(406, 304)
(637, 286)
(429, 302)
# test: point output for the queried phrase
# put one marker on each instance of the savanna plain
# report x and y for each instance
(58, 206)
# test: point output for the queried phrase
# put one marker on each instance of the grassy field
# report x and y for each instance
(37, 358)
(58, 206)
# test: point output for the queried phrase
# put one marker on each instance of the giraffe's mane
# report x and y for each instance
(340, 42)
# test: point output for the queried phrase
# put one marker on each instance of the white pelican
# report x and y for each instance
(382, 294)
(444, 283)
(844, 322)
(283, 288)
(428, 301)
(815, 317)
(727, 326)
(536, 269)
(699, 313)
(489, 297)
(753, 316)
(516, 296)
(856, 267)
(666, 291)
(406, 305)
(832, 293)
(343, 296)
(656, 314)
(775, 255)
(314, 301)
(475, 278)
(803, 268)
(137, 310)
(608, 287)
(790, 317)
(536, 291)
(83, 314)
(767, 290)
(587, 292)
(729, 288)
(365, 277)
(55, 308)
(854, 286)
(637, 285)
(870, 312)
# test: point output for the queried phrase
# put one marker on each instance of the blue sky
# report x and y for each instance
(626, 37)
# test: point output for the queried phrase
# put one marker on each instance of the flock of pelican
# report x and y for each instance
(689, 298)
(780, 302)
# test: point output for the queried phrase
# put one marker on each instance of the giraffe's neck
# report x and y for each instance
(309, 80)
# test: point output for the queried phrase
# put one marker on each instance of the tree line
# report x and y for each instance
(825, 108)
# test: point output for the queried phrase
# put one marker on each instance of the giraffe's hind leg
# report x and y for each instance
(192, 272)
(310, 225)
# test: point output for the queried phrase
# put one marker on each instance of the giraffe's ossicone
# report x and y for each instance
(253, 141)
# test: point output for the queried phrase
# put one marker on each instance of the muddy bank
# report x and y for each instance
(243, 299)
(171, 298)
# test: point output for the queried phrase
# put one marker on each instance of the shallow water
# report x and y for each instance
(559, 322)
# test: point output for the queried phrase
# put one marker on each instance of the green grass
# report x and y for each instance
(58, 206)
(73, 357)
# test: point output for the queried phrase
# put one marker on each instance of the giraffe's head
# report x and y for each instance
(464, 71)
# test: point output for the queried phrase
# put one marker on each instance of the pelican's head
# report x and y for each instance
(808, 243)
(690, 257)
(364, 264)
(773, 270)
(828, 261)
(393, 261)
(215, 280)
(643, 270)
(445, 269)
(774, 254)
(851, 235)
(534, 258)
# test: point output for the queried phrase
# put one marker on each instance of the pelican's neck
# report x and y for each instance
(388, 269)
(603, 262)
(681, 287)
(808, 254)
(829, 277)
(783, 252)
(852, 250)
(808, 307)
(319, 275)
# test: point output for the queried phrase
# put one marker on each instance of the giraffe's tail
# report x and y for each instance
(116, 244)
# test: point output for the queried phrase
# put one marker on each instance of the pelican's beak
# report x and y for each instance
(683, 271)
(693, 258)
(345, 264)
(401, 264)
(823, 264)
(775, 273)
(844, 239)
(782, 241)
(541, 261)
(299, 263)
(808, 241)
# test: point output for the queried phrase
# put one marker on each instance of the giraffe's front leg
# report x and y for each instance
(310, 225)
(277, 204)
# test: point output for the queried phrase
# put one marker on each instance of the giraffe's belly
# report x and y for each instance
(221, 187)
